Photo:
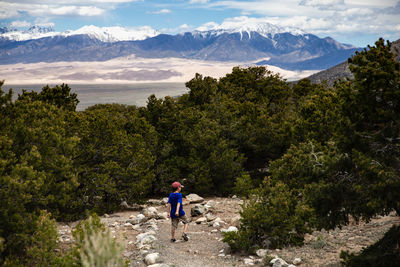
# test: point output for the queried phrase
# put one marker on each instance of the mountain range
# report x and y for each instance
(263, 44)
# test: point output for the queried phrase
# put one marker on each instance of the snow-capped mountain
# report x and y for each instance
(264, 29)
(104, 34)
(291, 49)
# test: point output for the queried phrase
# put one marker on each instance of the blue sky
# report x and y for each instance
(358, 22)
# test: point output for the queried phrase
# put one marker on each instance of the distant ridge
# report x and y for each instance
(262, 43)
(342, 71)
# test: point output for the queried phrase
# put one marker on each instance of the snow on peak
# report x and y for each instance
(245, 24)
(116, 33)
(105, 34)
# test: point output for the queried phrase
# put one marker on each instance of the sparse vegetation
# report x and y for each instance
(306, 156)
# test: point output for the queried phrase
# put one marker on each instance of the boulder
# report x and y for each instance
(150, 212)
(194, 198)
(198, 210)
(152, 258)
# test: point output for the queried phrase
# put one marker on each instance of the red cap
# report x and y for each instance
(176, 185)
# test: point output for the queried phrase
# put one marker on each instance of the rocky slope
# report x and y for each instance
(146, 235)
(342, 71)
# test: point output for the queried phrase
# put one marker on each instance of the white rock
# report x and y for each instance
(230, 229)
(261, 253)
(139, 237)
(164, 200)
(132, 216)
(210, 217)
(162, 216)
(221, 255)
(296, 261)
(198, 210)
(128, 224)
(248, 262)
(214, 231)
(158, 265)
(218, 219)
(152, 258)
(150, 212)
(201, 220)
(278, 262)
(216, 225)
(194, 198)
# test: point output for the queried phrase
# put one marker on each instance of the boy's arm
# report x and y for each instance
(177, 209)
(169, 210)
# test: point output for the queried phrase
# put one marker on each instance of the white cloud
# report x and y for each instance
(321, 2)
(45, 8)
(162, 11)
(198, 1)
(20, 24)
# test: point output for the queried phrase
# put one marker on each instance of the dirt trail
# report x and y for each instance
(206, 249)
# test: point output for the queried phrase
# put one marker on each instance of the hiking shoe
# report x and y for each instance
(173, 240)
(185, 237)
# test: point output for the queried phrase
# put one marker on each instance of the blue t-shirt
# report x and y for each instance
(174, 199)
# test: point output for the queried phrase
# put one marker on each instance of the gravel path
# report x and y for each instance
(206, 249)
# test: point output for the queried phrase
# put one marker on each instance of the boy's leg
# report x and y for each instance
(174, 225)
(185, 227)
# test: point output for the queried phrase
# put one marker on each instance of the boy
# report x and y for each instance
(175, 211)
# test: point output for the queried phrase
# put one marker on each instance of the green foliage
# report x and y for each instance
(35, 245)
(272, 218)
(385, 252)
(243, 185)
(95, 246)
(59, 95)
(115, 160)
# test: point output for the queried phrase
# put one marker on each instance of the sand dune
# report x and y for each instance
(125, 70)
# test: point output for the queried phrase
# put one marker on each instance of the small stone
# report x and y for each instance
(221, 255)
(128, 224)
(216, 225)
(162, 216)
(201, 220)
(210, 217)
(152, 258)
(214, 231)
(132, 216)
(106, 215)
(296, 261)
(262, 253)
(278, 262)
(248, 261)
